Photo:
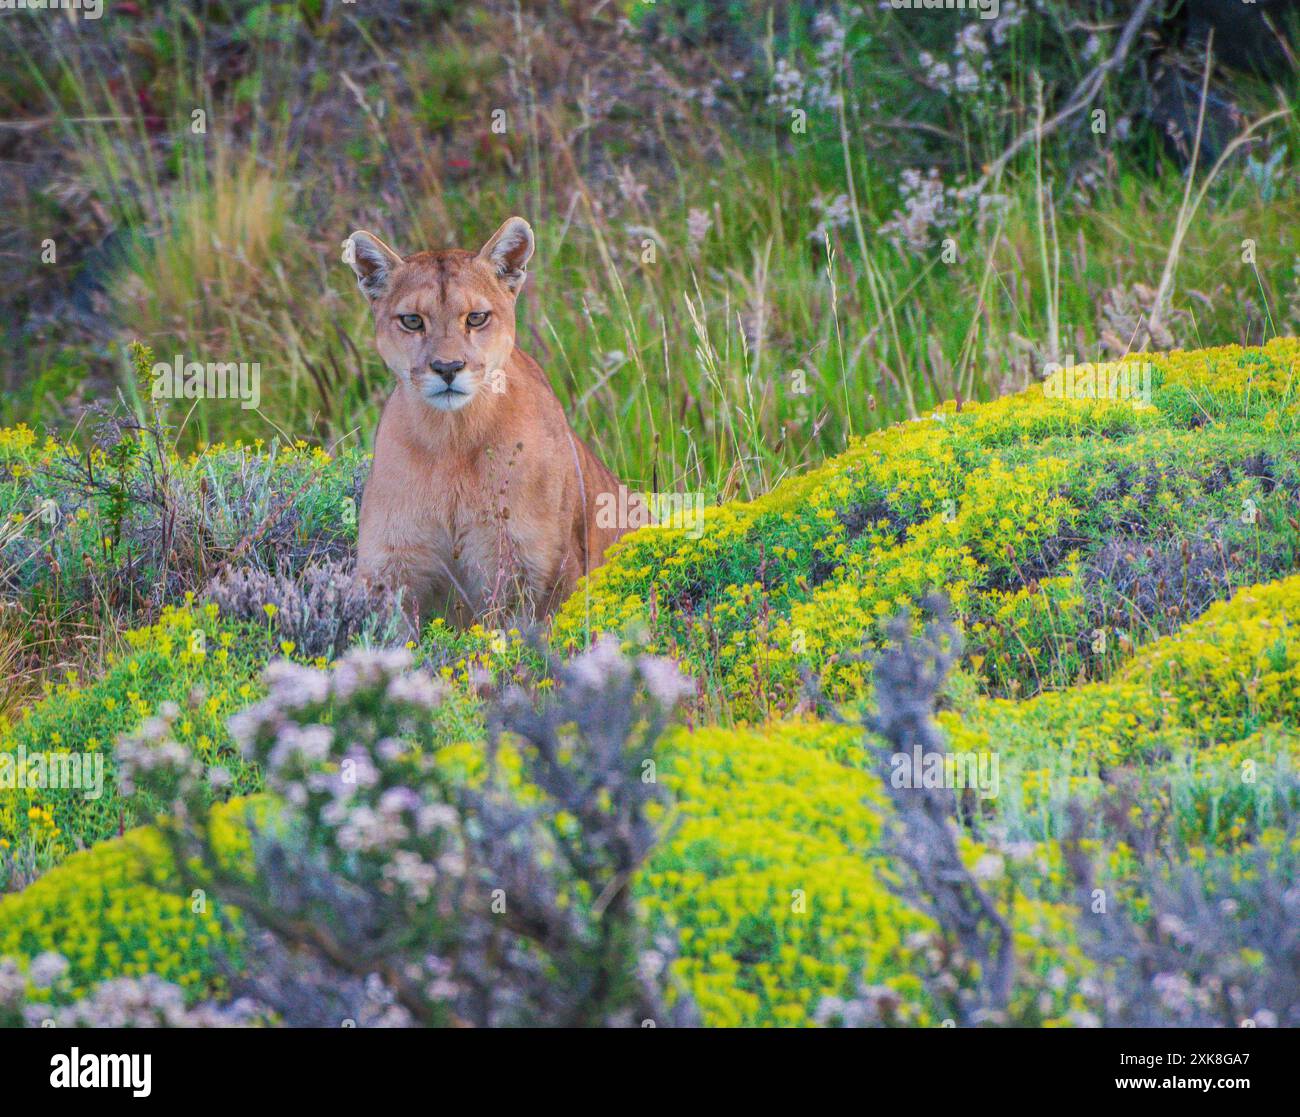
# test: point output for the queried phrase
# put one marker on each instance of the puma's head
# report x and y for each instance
(445, 321)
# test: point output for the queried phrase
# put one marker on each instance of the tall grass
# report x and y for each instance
(717, 361)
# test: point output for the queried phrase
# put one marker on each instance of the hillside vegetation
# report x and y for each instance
(1124, 580)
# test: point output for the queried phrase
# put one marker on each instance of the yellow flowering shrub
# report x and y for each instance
(779, 890)
(989, 504)
(116, 911)
(774, 873)
(775, 877)
(1219, 680)
(190, 657)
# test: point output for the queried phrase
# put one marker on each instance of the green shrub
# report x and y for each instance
(116, 911)
(987, 504)
(190, 657)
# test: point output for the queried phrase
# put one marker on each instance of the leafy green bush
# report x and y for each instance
(990, 504)
(133, 524)
(191, 658)
(117, 910)
(1068, 517)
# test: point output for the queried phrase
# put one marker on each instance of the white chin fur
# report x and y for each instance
(448, 401)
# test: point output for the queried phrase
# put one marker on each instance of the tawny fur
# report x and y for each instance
(487, 512)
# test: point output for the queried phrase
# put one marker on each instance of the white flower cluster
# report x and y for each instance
(151, 756)
(833, 214)
(821, 88)
(929, 209)
(698, 224)
(787, 87)
(604, 661)
(925, 210)
(823, 91)
(969, 69)
(125, 1002)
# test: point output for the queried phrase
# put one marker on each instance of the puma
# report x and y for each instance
(481, 501)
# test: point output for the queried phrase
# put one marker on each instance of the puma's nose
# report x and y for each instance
(447, 369)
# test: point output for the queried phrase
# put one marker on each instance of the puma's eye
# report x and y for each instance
(412, 322)
(476, 318)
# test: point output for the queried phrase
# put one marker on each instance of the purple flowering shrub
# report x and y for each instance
(1174, 935)
(393, 885)
(125, 1002)
(971, 956)
(322, 610)
(1211, 946)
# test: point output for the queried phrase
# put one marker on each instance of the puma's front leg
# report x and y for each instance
(391, 552)
(387, 568)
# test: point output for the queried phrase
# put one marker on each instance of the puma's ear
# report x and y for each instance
(509, 250)
(372, 260)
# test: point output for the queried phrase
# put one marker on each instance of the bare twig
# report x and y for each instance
(1082, 97)
(1187, 211)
